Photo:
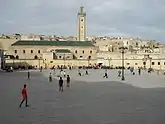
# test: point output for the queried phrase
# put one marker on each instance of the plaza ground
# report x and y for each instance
(90, 99)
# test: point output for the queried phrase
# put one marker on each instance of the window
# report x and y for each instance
(15, 51)
(76, 51)
(128, 63)
(136, 63)
(153, 63)
(144, 63)
(39, 51)
(164, 63)
(60, 57)
(82, 20)
(80, 56)
(23, 51)
(31, 51)
(89, 57)
(35, 57)
(81, 26)
(91, 52)
(17, 57)
(158, 63)
(83, 51)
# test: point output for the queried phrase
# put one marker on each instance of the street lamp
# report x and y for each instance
(122, 52)
(144, 62)
(150, 58)
(64, 60)
(109, 60)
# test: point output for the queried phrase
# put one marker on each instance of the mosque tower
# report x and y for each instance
(81, 33)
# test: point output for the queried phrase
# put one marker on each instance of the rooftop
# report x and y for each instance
(53, 43)
(62, 51)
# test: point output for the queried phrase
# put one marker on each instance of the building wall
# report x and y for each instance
(50, 63)
(6, 43)
(28, 55)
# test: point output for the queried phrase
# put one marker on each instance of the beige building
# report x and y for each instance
(50, 51)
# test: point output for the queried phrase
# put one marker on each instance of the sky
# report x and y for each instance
(135, 18)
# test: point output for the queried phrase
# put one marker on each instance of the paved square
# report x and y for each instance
(90, 99)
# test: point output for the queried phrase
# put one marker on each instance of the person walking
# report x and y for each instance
(139, 70)
(28, 75)
(24, 96)
(61, 84)
(50, 77)
(68, 80)
(105, 75)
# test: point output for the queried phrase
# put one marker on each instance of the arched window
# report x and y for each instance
(17, 57)
(35, 57)
(89, 57)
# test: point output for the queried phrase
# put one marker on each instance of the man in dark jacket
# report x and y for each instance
(61, 84)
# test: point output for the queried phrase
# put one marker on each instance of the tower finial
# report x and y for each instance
(81, 9)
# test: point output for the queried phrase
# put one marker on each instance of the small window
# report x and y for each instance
(153, 63)
(91, 52)
(23, 51)
(76, 51)
(35, 57)
(164, 63)
(17, 57)
(60, 57)
(128, 63)
(83, 51)
(144, 63)
(82, 27)
(39, 51)
(80, 56)
(15, 51)
(158, 63)
(51, 61)
(31, 51)
(82, 20)
(136, 63)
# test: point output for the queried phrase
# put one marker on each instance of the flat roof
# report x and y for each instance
(53, 43)
(62, 51)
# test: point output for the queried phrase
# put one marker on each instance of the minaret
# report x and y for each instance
(81, 33)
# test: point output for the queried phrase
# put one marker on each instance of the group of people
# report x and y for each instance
(24, 90)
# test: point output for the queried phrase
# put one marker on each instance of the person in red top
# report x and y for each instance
(24, 95)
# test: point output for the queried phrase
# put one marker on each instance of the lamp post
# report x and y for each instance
(122, 52)
(144, 62)
(13, 60)
(64, 60)
(39, 62)
(150, 58)
(109, 60)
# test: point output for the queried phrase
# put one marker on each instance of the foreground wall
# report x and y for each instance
(115, 62)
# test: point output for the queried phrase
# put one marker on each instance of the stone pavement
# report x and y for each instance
(145, 80)
(85, 102)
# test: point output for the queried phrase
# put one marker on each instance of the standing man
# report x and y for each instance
(50, 77)
(68, 80)
(64, 74)
(61, 84)
(139, 70)
(105, 75)
(24, 96)
(28, 75)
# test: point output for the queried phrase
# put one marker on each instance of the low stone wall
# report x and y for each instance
(115, 62)
(54, 62)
